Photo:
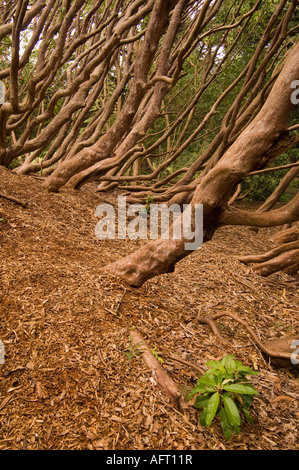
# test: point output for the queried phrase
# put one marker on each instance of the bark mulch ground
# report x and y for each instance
(72, 379)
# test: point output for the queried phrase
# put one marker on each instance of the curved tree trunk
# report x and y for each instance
(246, 154)
(104, 149)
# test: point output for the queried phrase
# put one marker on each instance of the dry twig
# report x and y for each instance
(13, 199)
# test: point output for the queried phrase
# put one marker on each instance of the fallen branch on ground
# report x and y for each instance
(187, 363)
(13, 199)
(169, 387)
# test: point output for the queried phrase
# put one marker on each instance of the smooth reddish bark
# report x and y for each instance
(246, 154)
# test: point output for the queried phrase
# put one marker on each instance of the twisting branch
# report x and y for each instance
(287, 214)
(210, 320)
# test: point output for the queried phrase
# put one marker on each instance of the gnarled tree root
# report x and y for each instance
(287, 262)
(278, 348)
(270, 254)
(287, 235)
(284, 257)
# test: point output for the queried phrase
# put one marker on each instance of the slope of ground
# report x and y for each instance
(71, 379)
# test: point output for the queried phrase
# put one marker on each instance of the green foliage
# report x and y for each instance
(148, 201)
(155, 354)
(225, 391)
(14, 164)
(262, 186)
(240, 43)
(132, 351)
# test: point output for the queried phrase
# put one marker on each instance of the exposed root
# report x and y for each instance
(270, 349)
(270, 254)
(284, 257)
(187, 363)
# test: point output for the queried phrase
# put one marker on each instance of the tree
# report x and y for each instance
(250, 148)
(157, 98)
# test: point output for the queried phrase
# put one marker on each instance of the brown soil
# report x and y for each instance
(71, 379)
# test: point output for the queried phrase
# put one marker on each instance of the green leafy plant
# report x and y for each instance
(225, 391)
(133, 350)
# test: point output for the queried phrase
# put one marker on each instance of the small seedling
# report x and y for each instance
(225, 391)
(154, 352)
(133, 350)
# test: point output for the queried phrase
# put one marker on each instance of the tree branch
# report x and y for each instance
(287, 214)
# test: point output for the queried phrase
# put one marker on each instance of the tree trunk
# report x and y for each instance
(246, 154)
(105, 147)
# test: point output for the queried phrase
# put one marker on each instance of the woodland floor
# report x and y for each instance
(71, 379)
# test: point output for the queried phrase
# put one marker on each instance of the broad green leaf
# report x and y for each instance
(247, 371)
(212, 364)
(232, 412)
(207, 383)
(204, 384)
(203, 417)
(247, 400)
(226, 381)
(195, 390)
(238, 364)
(226, 427)
(219, 376)
(239, 388)
(229, 363)
(215, 365)
(206, 380)
(211, 408)
(237, 429)
(201, 401)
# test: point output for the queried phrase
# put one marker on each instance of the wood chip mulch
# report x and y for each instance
(71, 378)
